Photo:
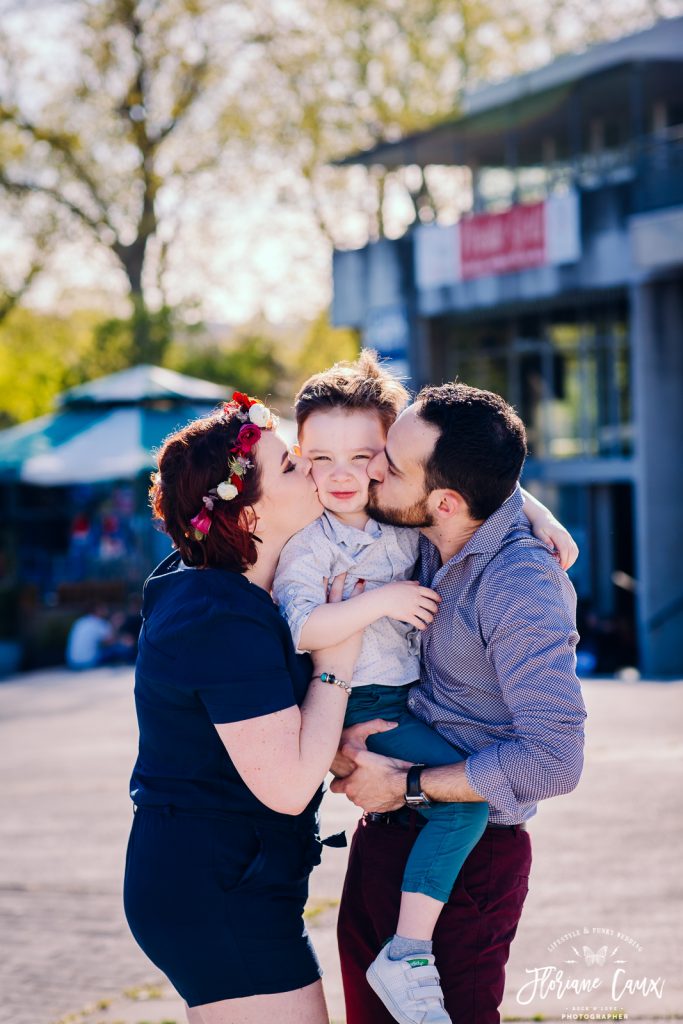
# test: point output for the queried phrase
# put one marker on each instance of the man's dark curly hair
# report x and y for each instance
(481, 446)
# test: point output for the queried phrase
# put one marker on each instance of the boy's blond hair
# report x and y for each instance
(363, 384)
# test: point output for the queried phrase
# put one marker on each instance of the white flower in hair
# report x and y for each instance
(259, 415)
(227, 491)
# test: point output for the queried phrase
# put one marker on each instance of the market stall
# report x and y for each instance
(76, 526)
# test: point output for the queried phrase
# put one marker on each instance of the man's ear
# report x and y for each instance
(446, 503)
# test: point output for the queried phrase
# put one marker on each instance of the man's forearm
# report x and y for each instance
(379, 783)
(448, 784)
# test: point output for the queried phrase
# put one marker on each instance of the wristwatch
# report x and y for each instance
(414, 796)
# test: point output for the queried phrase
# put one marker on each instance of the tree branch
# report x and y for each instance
(11, 299)
(22, 188)
(190, 91)
(63, 145)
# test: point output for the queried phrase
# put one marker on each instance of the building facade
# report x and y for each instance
(562, 289)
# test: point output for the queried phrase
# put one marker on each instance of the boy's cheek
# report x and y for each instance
(317, 474)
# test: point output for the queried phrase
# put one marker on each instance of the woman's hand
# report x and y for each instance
(353, 739)
(551, 532)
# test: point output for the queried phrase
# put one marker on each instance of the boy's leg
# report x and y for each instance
(453, 829)
(412, 740)
(442, 846)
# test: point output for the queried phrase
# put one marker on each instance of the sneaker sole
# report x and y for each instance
(383, 993)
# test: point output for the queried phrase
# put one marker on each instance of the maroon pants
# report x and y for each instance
(473, 934)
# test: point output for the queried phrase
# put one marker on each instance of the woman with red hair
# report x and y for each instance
(236, 732)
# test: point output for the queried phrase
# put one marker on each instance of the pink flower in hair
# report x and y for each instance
(202, 521)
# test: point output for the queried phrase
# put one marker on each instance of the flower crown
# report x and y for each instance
(255, 417)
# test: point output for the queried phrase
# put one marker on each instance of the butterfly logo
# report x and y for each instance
(594, 958)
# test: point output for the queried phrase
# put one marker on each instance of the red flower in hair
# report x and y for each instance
(242, 399)
(248, 436)
(237, 482)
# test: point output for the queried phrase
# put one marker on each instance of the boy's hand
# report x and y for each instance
(408, 602)
(553, 534)
(558, 539)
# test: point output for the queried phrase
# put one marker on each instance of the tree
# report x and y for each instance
(116, 139)
(250, 364)
(139, 116)
(323, 345)
(354, 72)
(40, 356)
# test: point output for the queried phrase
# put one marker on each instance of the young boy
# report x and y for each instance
(343, 415)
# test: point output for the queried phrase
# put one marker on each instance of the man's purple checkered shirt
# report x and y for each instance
(498, 673)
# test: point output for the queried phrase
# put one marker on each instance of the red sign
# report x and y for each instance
(496, 243)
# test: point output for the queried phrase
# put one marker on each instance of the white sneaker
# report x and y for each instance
(410, 988)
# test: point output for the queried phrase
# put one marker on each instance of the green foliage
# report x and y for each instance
(324, 345)
(251, 364)
(40, 356)
(142, 338)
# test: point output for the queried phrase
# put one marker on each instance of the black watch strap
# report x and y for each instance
(414, 795)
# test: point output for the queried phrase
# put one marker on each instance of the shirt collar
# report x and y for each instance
(341, 533)
(489, 537)
(492, 532)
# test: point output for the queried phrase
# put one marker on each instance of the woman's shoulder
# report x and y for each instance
(184, 599)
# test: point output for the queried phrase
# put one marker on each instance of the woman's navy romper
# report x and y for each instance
(215, 882)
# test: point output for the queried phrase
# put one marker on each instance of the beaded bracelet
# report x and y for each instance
(329, 677)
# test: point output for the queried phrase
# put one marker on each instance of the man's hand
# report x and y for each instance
(354, 739)
(377, 783)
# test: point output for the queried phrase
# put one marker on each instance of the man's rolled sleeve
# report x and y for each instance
(298, 587)
(527, 622)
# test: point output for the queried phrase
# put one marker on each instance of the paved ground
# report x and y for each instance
(607, 863)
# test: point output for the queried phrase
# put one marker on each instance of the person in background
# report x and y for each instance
(124, 647)
(88, 637)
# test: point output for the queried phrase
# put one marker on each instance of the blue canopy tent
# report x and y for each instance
(73, 487)
(106, 429)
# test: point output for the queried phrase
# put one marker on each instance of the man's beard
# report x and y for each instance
(416, 514)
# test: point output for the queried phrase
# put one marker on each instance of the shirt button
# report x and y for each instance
(411, 702)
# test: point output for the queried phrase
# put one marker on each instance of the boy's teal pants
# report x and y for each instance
(453, 829)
